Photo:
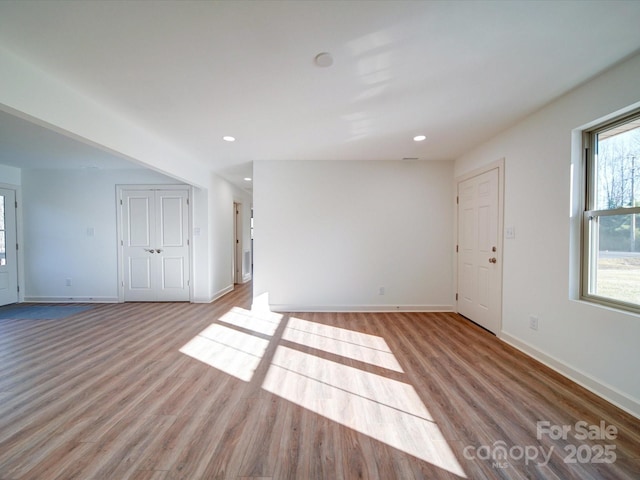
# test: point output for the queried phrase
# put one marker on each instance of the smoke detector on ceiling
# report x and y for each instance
(323, 59)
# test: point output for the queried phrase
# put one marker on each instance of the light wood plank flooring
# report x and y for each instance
(186, 391)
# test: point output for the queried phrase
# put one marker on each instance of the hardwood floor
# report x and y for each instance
(192, 391)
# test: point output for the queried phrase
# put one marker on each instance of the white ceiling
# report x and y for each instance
(458, 72)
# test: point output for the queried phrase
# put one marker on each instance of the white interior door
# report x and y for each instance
(479, 268)
(237, 243)
(155, 245)
(8, 249)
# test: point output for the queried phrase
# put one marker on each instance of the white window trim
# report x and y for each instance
(588, 252)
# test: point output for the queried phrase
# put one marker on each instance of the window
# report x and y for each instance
(611, 225)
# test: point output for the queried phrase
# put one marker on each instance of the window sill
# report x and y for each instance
(610, 306)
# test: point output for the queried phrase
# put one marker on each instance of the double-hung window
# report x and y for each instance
(611, 224)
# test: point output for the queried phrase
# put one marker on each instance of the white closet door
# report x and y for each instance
(155, 245)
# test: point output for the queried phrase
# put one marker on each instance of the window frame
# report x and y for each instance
(590, 215)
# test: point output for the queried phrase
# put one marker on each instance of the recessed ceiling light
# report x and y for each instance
(419, 138)
(229, 138)
(324, 59)
(247, 179)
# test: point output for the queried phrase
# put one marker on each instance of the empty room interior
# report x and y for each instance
(319, 239)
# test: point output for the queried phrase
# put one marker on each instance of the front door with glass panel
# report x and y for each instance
(8, 249)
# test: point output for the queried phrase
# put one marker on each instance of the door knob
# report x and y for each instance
(158, 250)
(493, 260)
(150, 250)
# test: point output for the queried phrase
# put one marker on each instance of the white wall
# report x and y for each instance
(60, 205)
(596, 346)
(222, 196)
(10, 175)
(329, 235)
(200, 246)
(58, 208)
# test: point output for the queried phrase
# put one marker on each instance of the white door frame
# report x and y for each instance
(119, 228)
(238, 261)
(500, 165)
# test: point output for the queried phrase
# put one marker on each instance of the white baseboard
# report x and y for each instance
(71, 299)
(360, 308)
(214, 297)
(609, 393)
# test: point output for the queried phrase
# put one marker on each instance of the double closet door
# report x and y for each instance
(155, 245)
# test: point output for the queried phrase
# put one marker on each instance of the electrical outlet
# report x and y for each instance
(533, 322)
(67, 282)
(381, 291)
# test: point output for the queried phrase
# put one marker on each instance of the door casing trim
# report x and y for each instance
(17, 189)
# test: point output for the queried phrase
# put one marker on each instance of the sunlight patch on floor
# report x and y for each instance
(362, 347)
(231, 350)
(263, 322)
(382, 408)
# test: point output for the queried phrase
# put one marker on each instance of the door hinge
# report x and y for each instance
(17, 246)
(456, 248)
(188, 242)
(456, 297)
(18, 288)
(122, 243)
(120, 201)
(187, 200)
(16, 204)
(457, 200)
